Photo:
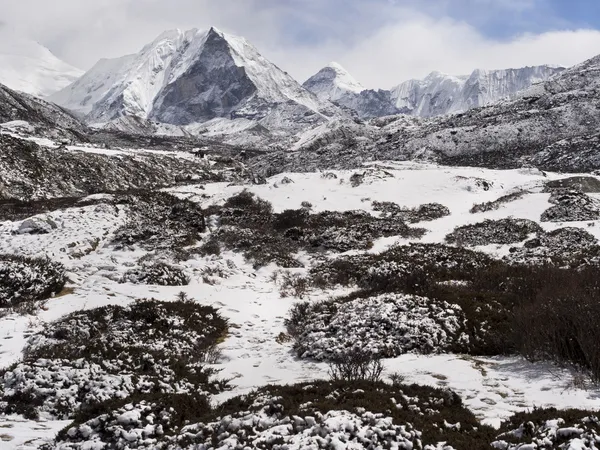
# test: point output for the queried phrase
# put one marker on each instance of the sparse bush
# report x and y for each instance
(356, 179)
(356, 366)
(293, 284)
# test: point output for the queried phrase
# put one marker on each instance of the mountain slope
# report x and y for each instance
(47, 118)
(30, 67)
(190, 77)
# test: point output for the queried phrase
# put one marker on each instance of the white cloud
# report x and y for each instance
(381, 46)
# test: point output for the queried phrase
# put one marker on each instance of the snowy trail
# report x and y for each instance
(493, 388)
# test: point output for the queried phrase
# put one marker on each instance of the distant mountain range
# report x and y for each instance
(435, 95)
(217, 85)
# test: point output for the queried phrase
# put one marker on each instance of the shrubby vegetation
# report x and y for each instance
(571, 206)
(249, 225)
(156, 273)
(498, 203)
(24, 280)
(539, 311)
(503, 231)
(113, 352)
(308, 415)
(423, 213)
(158, 220)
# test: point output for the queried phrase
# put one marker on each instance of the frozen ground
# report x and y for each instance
(493, 388)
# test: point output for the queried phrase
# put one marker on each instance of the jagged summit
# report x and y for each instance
(187, 77)
(27, 66)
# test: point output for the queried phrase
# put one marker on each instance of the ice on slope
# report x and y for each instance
(332, 83)
(30, 67)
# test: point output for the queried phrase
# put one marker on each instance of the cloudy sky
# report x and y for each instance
(381, 42)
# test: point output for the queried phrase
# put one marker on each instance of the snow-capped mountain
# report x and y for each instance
(335, 84)
(440, 94)
(30, 67)
(435, 95)
(332, 83)
(190, 77)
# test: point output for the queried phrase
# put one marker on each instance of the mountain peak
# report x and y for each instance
(188, 77)
(332, 82)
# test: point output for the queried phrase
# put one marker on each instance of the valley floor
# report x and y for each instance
(493, 388)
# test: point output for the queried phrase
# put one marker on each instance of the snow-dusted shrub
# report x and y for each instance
(29, 279)
(401, 268)
(386, 326)
(113, 352)
(249, 225)
(343, 231)
(550, 428)
(156, 273)
(569, 246)
(319, 415)
(259, 246)
(571, 206)
(422, 213)
(502, 231)
(158, 220)
(580, 183)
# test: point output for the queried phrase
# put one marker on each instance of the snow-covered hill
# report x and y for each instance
(440, 94)
(191, 77)
(30, 67)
